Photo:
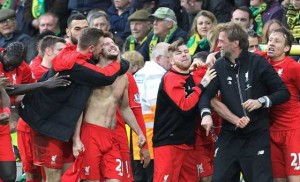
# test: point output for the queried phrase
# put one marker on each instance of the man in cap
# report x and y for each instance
(140, 27)
(8, 29)
(165, 29)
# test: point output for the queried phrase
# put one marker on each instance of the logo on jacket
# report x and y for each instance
(247, 76)
(53, 159)
(280, 72)
(229, 80)
(87, 170)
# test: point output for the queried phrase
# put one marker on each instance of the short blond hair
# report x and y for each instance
(135, 58)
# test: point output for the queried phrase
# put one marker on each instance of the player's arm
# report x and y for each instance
(56, 81)
(129, 117)
(5, 105)
(77, 144)
(95, 76)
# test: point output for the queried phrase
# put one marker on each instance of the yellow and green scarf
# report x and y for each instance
(132, 42)
(195, 41)
(38, 8)
(155, 39)
(257, 13)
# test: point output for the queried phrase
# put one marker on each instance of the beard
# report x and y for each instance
(226, 54)
(74, 40)
(109, 56)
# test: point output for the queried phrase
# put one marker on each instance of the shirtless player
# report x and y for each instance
(102, 159)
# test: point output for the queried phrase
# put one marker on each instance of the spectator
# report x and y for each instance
(33, 10)
(83, 7)
(293, 19)
(98, 19)
(220, 8)
(202, 24)
(165, 29)
(140, 27)
(269, 26)
(264, 10)
(118, 14)
(149, 5)
(135, 59)
(192, 7)
(9, 29)
(76, 23)
(243, 16)
(47, 21)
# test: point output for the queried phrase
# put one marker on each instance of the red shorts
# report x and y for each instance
(204, 156)
(172, 164)
(50, 152)
(25, 149)
(126, 167)
(102, 158)
(285, 153)
(6, 148)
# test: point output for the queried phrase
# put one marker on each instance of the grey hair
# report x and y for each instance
(159, 50)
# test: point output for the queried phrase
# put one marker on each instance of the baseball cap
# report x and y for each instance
(163, 13)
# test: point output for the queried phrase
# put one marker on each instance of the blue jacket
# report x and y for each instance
(119, 24)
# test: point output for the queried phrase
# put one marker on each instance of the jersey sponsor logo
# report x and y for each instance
(166, 176)
(261, 152)
(87, 170)
(53, 159)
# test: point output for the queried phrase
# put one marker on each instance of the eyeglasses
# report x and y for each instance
(7, 21)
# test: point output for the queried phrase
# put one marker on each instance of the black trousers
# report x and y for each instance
(247, 154)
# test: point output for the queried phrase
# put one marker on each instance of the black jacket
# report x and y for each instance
(250, 78)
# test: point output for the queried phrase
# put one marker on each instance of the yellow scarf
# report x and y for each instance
(193, 43)
(132, 43)
(155, 40)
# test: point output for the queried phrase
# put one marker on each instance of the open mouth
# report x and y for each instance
(270, 50)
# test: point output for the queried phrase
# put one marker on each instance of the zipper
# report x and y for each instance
(240, 92)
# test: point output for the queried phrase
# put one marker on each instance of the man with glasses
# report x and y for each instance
(8, 29)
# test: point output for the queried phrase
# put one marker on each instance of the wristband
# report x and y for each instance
(6, 110)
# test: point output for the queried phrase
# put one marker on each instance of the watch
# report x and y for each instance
(262, 101)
